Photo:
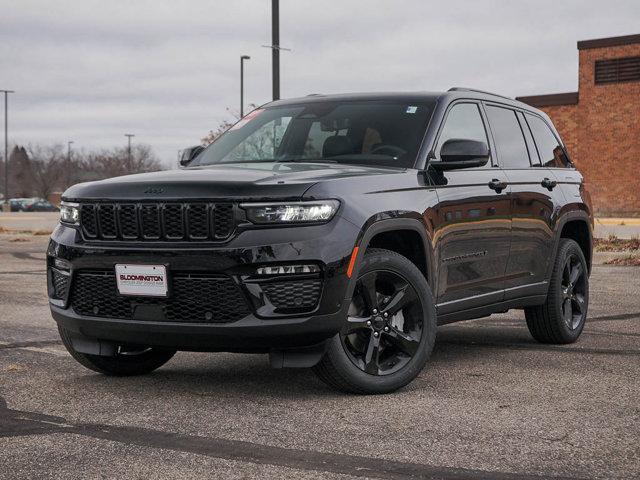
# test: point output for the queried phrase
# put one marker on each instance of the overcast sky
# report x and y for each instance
(92, 70)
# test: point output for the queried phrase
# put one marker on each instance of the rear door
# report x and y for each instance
(532, 204)
(473, 227)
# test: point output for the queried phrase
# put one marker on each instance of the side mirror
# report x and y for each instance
(188, 154)
(462, 153)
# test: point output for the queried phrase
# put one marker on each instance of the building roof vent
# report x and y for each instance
(617, 70)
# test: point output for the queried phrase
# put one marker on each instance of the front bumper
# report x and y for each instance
(269, 320)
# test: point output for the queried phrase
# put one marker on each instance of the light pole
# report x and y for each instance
(6, 146)
(129, 135)
(242, 59)
(69, 163)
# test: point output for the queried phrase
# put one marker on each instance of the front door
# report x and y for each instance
(473, 227)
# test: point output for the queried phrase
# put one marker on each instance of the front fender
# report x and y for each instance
(387, 222)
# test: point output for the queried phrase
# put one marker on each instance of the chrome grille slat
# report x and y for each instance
(146, 221)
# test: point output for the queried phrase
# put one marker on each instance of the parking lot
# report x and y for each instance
(492, 403)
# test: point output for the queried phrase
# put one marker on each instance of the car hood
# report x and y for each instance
(256, 181)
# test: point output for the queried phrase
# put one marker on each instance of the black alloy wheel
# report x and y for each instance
(385, 323)
(561, 318)
(390, 329)
(573, 292)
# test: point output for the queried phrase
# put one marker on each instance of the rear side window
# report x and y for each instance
(550, 151)
(510, 143)
(463, 122)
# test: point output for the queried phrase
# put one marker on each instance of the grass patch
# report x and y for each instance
(628, 261)
(615, 244)
(11, 231)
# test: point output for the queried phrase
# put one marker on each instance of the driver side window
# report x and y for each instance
(463, 122)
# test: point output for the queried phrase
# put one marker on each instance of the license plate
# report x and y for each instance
(142, 280)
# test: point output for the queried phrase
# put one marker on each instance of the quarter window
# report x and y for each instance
(510, 143)
(463, 122)
(550, 151)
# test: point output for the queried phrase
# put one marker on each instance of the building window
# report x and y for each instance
(618, 70)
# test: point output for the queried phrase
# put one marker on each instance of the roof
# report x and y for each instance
(364, 96)
(608, 42)
(550, 100)
(451, 94)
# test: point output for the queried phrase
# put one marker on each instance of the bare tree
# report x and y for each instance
(43, 169)
(39, 170)
(224, 125)
(115, 162)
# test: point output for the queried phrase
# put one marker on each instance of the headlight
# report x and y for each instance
(69, 213)
(320, 211)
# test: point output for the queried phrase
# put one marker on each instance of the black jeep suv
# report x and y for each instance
(333, 232)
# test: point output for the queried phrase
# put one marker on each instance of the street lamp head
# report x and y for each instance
(245, 57)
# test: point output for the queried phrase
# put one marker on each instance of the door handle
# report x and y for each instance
(497, 185)
(548, 183)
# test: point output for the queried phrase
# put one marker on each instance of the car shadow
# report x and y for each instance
(239, 375)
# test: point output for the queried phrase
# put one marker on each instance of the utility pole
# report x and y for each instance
(6, 147)
(129, 135)
(242, 59)
(275, 47)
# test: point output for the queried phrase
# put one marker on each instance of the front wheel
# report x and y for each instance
(128, 361)
(390, 330)
(561, 318)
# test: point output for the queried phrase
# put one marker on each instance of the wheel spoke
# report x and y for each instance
(372, 355)
(576, 272)
(400, 299)
(579, 303)
(354, 324)
(403, 341)
(368, 291)
(567, 312)
(566, 272)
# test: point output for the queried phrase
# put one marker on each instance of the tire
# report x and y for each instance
(562, 317)
(390, 350)
(122, 364)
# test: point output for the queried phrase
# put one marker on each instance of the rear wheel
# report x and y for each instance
(389, 332)
(128, 360)
(561, 318)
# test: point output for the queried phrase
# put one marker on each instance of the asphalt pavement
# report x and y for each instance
(491, 404)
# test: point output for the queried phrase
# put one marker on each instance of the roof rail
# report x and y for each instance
(463, 89)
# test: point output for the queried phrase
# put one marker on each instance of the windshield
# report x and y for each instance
(375, 133)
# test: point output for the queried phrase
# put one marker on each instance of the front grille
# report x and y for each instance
(193, 298)
(293, 296)
(59, 284)
(157, 221)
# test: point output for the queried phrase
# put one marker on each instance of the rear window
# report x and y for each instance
(549, 148)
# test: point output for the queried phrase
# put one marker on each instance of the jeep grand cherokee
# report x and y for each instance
(333, 232)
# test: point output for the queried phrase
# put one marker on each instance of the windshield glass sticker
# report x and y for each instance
(412, 109)
(246, 119)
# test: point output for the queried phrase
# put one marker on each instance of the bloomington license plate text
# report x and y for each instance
(142, 280)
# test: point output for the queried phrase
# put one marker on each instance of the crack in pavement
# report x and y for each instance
(540, 347)
(619, 316)
(33, 343)
(25, 272)
(16, 423)
(28, 256)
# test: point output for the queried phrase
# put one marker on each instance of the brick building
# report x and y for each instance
(600, 123)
